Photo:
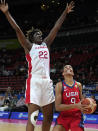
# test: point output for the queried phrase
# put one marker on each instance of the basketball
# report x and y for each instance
(91, 103)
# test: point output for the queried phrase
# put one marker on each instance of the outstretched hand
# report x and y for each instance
(3, 6)
(70, 6)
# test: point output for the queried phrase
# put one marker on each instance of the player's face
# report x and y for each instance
(68, 70)
(38, 37)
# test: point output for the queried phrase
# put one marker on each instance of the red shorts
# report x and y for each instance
(73, 123)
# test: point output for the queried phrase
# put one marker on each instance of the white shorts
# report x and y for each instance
(39, 91)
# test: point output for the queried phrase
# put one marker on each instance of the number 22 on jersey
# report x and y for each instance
(43, 54)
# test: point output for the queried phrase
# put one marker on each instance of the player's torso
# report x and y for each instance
(70, 94)
(38, 60)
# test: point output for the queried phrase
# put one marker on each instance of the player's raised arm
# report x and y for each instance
(21, 37)
(49, 39)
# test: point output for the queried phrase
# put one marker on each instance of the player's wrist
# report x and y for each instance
(6, 12)
(77, 105)
(73, 106)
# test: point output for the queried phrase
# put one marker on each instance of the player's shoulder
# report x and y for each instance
(78, 84)
(59, 83)
(58, 86)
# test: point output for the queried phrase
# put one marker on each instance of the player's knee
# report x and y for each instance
(33, 117)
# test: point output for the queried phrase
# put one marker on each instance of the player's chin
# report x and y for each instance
(39, 41)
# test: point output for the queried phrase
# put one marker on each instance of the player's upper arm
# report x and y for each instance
(58, 95)
(49, 39)
(23, 41)
(80, 89)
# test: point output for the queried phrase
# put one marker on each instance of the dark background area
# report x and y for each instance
(30, 13)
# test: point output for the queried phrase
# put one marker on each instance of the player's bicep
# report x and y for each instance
(58, 95)
(80, 91)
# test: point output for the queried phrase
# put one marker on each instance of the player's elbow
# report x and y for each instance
(17, 29)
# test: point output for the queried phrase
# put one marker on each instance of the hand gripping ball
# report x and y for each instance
(91, 103)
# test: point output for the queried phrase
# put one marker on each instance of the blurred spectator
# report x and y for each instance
(20, 102)
(6, 104)
(14, 101)
(20, 106)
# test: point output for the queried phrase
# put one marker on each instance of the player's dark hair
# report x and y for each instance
(30, 34)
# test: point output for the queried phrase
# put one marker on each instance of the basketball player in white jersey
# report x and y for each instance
(39, 89)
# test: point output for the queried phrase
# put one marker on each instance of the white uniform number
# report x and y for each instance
(73, 100)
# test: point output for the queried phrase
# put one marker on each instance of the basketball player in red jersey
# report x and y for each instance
(39, 89)
(68, 95)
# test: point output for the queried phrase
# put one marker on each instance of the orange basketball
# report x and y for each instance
(91, 103)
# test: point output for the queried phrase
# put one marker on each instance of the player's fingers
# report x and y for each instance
(85, 106)
(1, 1)
(85, 110)
(72, 3)
(4, 2)
(72, 6)
(67, 5)
(71, 10)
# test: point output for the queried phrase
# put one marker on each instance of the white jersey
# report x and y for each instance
(39, 60)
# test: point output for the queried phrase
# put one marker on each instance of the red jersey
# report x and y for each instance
(70, 119)
(70, 95)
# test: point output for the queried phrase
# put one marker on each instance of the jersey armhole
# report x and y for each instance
(30, 50)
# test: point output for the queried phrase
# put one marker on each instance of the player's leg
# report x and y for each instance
(75, 125)
(62, 124)
(31, 109)
(77, 129)
(47, 117)
(59, 128)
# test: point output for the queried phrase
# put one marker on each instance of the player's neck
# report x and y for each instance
(69, 80)
(38, 42)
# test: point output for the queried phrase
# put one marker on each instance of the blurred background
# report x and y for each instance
(75, 44)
